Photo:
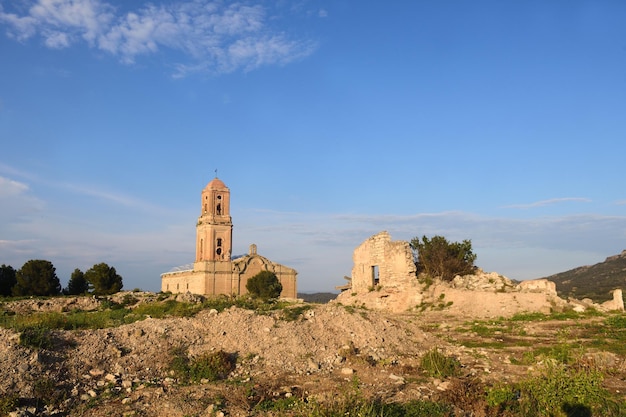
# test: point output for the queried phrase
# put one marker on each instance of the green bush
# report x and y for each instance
(36, 337)
(264, 285)
(8, 402)
(559, 388)
(46, 392)
(438, 365)
(210, 366)
(294, 313)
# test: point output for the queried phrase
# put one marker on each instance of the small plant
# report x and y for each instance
(210, 366)
(36, 337)
(438, 365)
(128, 300)
(294, 313)
(559, 387)
(46, 392)
(8, 402)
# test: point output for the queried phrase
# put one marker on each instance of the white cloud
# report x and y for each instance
(215, 37)
(10, 188)
(549, 202)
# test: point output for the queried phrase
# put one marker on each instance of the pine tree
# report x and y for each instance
(77, 284)
(7, 280)
(37, 277)
(103, 279)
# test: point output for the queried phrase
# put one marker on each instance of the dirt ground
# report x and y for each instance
(324, 353)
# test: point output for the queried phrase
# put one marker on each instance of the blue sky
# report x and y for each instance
(499, 122)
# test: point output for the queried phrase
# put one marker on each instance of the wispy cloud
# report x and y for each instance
(11, 188)
(17, 201)
(215, 37)
(549, 202)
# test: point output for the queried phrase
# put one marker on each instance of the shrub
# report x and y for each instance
(558, 388)
(36, 337)
(438, 365)
(46, 392)
(210, 366)
(8, 402)
(264, 285)
(294, 313)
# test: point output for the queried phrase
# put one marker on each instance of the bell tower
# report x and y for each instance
(214, 231)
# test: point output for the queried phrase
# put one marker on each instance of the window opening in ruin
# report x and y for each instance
(375, 276)
(219, 209)
(219, 251)
(201, 248)
(219, 242)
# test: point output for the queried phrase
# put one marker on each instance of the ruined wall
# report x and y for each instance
(380, 261)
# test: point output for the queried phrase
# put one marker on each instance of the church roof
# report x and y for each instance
(216, 183)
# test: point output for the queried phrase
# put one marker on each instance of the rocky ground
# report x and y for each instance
(323, 353)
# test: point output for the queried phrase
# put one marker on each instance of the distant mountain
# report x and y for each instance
(318, 297)
(595, 281)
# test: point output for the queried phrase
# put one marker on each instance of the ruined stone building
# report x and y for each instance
(381, 261)
(214, 270)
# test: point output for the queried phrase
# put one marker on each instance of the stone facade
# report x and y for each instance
(384, 278)
(214, 271)
(381, 261)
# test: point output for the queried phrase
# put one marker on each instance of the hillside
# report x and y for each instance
(594, 281)
(148, 355)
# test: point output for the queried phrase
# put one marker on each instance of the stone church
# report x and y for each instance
(215, 271)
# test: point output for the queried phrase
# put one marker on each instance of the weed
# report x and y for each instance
(559, 387)
(8, 402)
(294, 313)
(46, 392)
(36, 337)
(467, 394)
(438, 365)
(350, 309)
(210, 366)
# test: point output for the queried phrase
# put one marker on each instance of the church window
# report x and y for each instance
(219, 242)
(219, 209)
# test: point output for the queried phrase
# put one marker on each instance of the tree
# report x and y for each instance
(264, 285)
(77, 284)
(37, 277)
(103, 279)
(437, 257)
(7, 280)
